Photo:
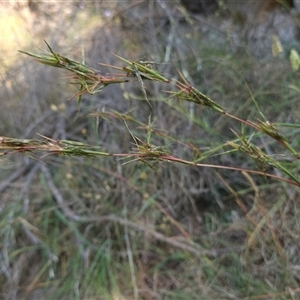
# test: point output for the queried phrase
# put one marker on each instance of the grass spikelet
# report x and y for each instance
(89, 80)
(47, 146)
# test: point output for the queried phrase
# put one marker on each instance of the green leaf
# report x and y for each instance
(295, 60)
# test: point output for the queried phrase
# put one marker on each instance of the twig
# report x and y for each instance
(14, 176)
(184, 246)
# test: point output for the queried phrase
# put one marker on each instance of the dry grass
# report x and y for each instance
(166, 203)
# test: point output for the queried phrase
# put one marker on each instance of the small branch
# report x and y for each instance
(188, 245)
(13, 177)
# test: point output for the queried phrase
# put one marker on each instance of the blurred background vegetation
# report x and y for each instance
(82, 228)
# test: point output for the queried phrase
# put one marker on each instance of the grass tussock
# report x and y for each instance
(159, 183)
